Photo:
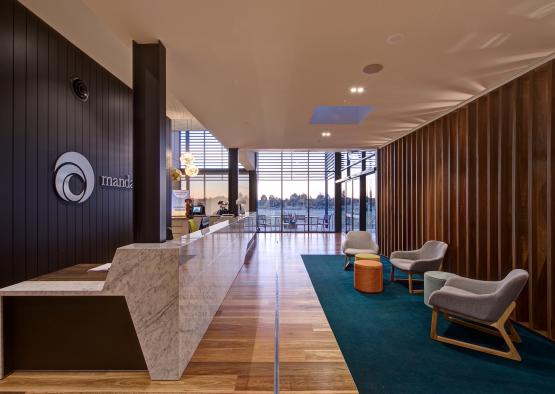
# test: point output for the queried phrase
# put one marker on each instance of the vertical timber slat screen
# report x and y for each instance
(481, 179)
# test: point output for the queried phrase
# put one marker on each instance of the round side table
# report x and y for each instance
(368, 276)
(434, 280)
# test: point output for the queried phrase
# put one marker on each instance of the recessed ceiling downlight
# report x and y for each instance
(372, 68)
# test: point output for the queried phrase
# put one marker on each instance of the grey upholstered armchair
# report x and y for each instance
(487, 303)
(358, 242)
(428, 258)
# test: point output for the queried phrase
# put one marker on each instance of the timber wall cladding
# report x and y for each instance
(481, 178)
(41, 118)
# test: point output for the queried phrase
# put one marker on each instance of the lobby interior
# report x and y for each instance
(247, 196)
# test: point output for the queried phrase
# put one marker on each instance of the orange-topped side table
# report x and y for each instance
(368, 276)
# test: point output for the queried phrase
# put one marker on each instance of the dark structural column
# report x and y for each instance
(149, 142)
(233, 179)
(337, 195)
(253, 191)
(362, 197)
(169, 163)
(253, 186)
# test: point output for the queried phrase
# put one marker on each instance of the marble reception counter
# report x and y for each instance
(172, 290)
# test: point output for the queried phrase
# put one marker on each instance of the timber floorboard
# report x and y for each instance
(236, 354)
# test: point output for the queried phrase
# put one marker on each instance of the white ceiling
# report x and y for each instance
(252, 71)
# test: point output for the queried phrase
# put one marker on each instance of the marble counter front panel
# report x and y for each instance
(172, 290)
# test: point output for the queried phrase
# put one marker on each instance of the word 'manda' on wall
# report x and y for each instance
(124, 183)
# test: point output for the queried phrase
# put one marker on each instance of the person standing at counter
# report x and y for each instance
(189, 208)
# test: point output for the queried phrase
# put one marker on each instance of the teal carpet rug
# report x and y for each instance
(385, 341)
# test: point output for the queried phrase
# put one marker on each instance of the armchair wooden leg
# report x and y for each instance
(411, 284)
(514, 334)
(433, 328)
(499, 325)
(347, 262)
(409, 279)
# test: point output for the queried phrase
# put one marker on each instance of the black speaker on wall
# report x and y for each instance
(80, 89)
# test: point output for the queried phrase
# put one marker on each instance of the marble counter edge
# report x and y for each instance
(54, 288)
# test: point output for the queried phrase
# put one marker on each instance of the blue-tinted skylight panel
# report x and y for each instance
(341, 114)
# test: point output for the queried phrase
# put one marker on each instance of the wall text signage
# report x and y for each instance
(120, 183)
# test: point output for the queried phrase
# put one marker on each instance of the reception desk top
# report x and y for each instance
(172, 289)
(77, 280)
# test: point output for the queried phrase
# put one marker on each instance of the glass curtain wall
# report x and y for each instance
(244, 189)
(350, 188)
(321, 192)
(355, 170)
(211, 184)
(371, 212)
(352, 171)
(328, 221)
(293, 191)
(269, 204)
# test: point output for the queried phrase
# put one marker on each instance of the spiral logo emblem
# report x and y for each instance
(69, 165)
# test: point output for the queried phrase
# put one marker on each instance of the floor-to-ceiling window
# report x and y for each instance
(321, 191)
(210, 186)
(294, 193)
(328, 221)
(371, 199)
(294, 176)
(244, 190)
(269, 204)
(356, 165)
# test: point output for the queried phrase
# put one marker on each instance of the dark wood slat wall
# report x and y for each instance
(6, 136)
(481, 178)
(40, 119)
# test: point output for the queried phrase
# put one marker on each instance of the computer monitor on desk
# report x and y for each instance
(198, 210)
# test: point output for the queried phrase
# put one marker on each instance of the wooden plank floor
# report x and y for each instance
(237, 354)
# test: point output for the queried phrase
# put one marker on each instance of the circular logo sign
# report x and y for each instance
(69, 165)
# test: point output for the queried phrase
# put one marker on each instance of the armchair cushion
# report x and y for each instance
(427, 258)
(483, 300)
(361, 241)
(402, 264)
(463, 303)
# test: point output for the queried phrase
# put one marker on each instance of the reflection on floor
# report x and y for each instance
(237, 352)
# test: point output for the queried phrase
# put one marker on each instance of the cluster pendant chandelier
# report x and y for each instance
(188, 162)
